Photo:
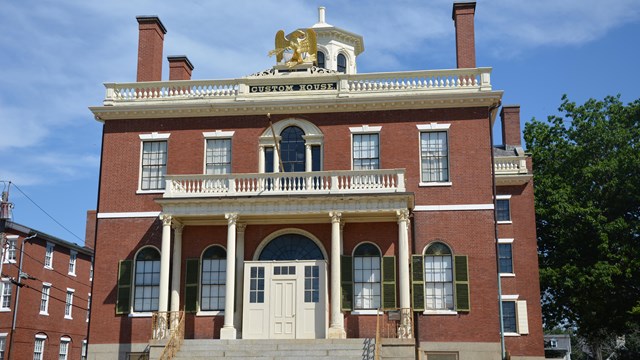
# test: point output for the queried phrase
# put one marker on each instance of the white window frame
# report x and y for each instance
(506, 241)
(441, 311)
(365, 130)
(3, 344)
(83, 351)
(6, 287)
(73, 259)
(133, 312)
(68, 304)
(65, 340)
(313, 136)
(154, 136)
(45, 300)
(217, 135)
(201, 312)
(508, 198)
(9, 252)
(522, 321)
(434, 127)
(49, 255)
(39, 338)
(367, 311)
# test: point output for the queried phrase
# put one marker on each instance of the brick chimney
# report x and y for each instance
(180, 67)
(150, 41)
(463, 13)
(90, 229)
(510, 117)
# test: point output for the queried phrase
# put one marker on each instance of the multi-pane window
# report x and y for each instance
(366, 275)
(73, 255)
(68, 305)
(154, 165)
(48, 256)
(5, 301)
(366, 151)
(10, 255)
(438, 268)
(44, 299)
(64, 349)
(292, 148)
(218, 156)
(214, 277)
(505, 258)
(503, 212)
(147, 280)
(256, 285)
(509, 316)
(3, 344)
(311, 284)
(342, 63)
(434, 155)
(38, 348)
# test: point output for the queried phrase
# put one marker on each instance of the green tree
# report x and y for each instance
(586, 166)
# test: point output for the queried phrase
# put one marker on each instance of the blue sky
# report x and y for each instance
(57, 53)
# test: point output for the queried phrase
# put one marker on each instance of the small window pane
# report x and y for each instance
(505, 256)
(218, 156)
(509, 316)
(434, 156)
(503, 212)
(154, 165)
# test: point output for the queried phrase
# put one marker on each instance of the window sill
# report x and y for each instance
(210, 313)
(504, 222)
(48, 267)
(5, 309)
(440, 312)
(431, 184)
(158, 191)
(68, 317)
(10, 261)
(366, 312)
(44, 313)
(507, 275)
(72, 274)
(140, 314)
(511, 334)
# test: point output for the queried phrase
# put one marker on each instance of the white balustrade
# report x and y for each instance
(477, 79)
(319, 182)
(509, 165)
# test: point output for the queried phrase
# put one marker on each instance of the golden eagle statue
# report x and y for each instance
(302, 44)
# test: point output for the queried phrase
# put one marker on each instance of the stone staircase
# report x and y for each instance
(343, 349)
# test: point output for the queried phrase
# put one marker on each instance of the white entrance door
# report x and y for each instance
(283, 309)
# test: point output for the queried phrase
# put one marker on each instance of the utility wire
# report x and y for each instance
(36, 279)
(39, 207)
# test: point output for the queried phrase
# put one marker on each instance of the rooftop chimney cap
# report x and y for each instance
(184, 58)
(142, 19)
(462, 4)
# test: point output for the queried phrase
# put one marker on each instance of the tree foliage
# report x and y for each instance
(586, 166)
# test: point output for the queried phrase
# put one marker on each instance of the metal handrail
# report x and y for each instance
(168, 325)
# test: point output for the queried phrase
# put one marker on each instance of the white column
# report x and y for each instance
(176, 266)
(403, 257)
(336, 328)
(239, 276)
(261, 159)
(165, 256)
(228, 331)
(307, 160)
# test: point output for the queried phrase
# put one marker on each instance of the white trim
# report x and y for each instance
(503, 197)
(507, 275)
(3, 334)
(434, 126)
(427, 184)
(461, 207)
(65, 338)
(217, 134)
(41, 336)
(159, 191)
(365, 129)
(511, 334)
(504, 222)
(154, 136)
(440, 312)
(210, 313)
(510, 297)
(366, 312)
(46, 284)
(139, 314)
(505, 241)
(12, 237)
(120, 215)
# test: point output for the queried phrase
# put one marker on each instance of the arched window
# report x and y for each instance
(438, 268)
(147, 280)
(291, 247)
(320, 58)
(342, 63)
(366, 276)
(292, 149)
(214, 276)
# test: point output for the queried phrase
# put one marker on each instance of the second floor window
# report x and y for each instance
(72, 262)
(154, 165)
(68, 306)
(366, 151)
(5, 301)
(434, 156)
(218, 156)
(48, 256)
(292, 148)
(503, 211)
(44, 300)
(506, 258)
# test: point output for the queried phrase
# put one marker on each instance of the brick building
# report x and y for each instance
(307, 201)
(45, 316)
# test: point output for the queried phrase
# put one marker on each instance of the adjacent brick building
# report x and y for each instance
(44, 314)
(302, 202)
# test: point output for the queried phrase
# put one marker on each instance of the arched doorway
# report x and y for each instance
(285, 289)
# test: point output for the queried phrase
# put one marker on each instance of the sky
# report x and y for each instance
(56, 54)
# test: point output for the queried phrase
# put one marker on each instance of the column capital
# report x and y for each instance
(403, 215)
(241, 227)
(342, 224)
(166, 219)
(232, 218)
(336, 216)
(177, 226)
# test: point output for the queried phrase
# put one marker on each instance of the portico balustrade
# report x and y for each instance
(302, 183)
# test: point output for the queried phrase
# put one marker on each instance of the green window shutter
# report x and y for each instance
(461, 279)
(346, 280)
(125, 274)
(191, 285)
(417, 282)
(389, 282)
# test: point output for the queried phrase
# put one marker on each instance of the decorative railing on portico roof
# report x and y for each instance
(288, 183)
